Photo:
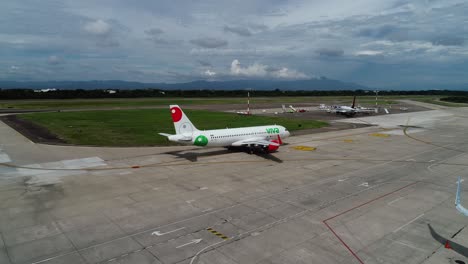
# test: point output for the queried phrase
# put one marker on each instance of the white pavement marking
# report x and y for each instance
(431, 160)
(4, 158)
(258, 198)
(204, 188)
(408, 245)
(403, 226)
(53, 172)
(158, 233)
(194, 241)
(207, 209)
(365, 184)
(282, 220)
(58, 167)
(434, 164)
(396, 200)
(203, 249)
(340, 180)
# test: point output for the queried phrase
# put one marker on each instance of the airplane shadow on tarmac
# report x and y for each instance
(193, 156)
(448, 243)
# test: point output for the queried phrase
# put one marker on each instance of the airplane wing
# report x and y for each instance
(254, 141)
(458, 205)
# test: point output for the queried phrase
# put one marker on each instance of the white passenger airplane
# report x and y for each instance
(350, 111)
(265, 138)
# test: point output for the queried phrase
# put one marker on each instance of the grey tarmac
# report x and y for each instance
(364, 195)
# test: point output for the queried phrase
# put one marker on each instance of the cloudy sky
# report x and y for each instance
(392, 43)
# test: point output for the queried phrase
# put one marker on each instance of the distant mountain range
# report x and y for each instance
(311, 84)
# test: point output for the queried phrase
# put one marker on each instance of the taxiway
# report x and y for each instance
(365, 195)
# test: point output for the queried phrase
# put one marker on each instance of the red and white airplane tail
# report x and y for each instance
(182, 123)
(354, 102)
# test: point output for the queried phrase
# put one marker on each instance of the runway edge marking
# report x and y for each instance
(356, 207)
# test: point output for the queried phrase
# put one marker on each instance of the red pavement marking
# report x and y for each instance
(447, 244)
(361, 205)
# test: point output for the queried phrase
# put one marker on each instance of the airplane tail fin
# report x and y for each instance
(182, 123)
(354, 102)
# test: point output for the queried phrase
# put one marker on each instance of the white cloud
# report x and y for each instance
(172, 38)
(241, 31)
(368, 53)
(98, 27)
(54, 60)
(209, 73)
(208, 42)
(285, 73)
(379, 42)
(13, 69)
(257, 70)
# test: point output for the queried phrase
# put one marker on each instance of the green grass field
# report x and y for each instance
(149, 102)
(110, 103)
(140, 127)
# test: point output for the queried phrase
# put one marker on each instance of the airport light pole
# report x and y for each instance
(376, 95)
(248, 102)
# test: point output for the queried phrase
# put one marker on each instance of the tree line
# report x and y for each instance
(12, 94)
(456, 99)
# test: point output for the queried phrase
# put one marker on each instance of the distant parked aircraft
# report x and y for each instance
(264, 138)
(292, 109)
(350, 111)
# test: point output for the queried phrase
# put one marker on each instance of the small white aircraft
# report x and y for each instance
(292, 109)
(458, 205)
(350, 111)
(286, 110)
(265, 138)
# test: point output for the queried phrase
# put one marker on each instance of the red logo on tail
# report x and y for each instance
(176, 114)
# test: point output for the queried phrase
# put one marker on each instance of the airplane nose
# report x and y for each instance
(286, 133)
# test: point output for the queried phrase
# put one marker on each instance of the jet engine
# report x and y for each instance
(274, 147)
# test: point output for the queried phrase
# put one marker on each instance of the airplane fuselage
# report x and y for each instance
(345, 108)
(264, 138)
(229, 136)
